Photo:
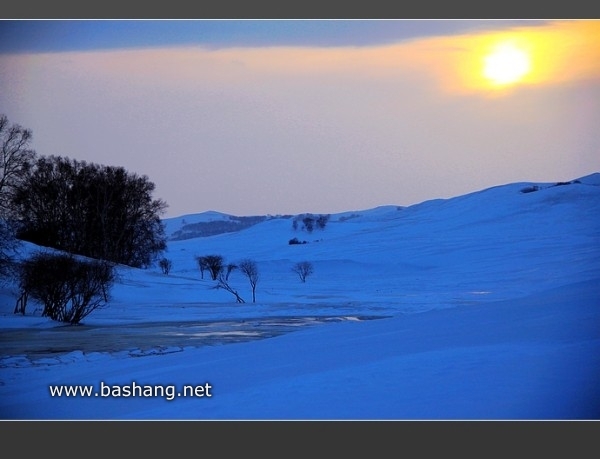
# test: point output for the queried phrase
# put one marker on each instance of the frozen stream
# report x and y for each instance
(150, 337)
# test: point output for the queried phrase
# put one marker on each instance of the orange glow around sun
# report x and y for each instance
(494, 63)
(506, 64)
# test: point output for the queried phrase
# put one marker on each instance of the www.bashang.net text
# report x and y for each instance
(168, 392)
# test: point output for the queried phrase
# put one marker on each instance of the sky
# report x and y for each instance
(255, 117)
(480, 307)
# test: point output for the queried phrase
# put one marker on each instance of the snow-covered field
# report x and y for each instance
(483, 306)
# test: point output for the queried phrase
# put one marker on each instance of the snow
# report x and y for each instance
(483, 306)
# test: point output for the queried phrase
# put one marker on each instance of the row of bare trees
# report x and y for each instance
(309, 222)
(220, 271)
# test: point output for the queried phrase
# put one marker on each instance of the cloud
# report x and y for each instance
(286, 129)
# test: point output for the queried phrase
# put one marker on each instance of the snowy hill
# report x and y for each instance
(389, 253)
(484, 306)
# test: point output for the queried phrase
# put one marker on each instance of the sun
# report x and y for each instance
(506, 64)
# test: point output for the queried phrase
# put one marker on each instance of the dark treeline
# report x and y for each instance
(95, 215)
(101, 212)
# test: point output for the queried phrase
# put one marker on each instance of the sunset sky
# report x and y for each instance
(253, 117)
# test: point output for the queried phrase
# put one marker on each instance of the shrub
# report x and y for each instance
(530, 189)
(69, 288)
(165, 265)
(566, 183)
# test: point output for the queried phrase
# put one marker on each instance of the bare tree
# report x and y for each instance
(15, 161)
(211, 263)
(223, 283)
(250, 270)
(230, 268)
(322, 221)
(165, 265)
(303, 269)
(309, 223)
(202, 265)
(8, 247)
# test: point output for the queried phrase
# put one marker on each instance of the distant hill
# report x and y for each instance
(211, 223)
